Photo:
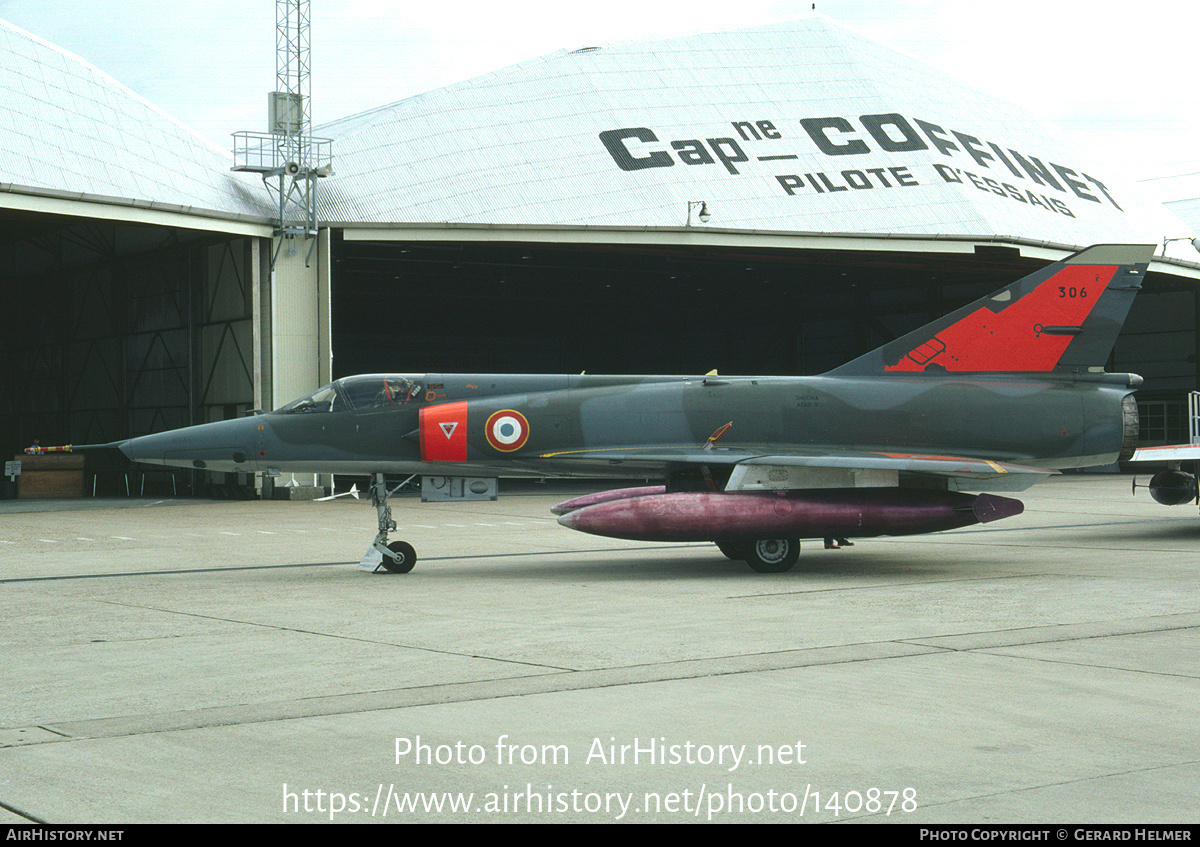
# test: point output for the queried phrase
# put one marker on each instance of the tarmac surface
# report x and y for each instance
(204, 661)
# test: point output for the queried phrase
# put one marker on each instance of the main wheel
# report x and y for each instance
(406, 557)
(773, 555)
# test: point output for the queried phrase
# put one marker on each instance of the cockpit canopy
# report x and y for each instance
(359, 393)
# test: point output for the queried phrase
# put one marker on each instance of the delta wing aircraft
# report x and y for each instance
(910, 438)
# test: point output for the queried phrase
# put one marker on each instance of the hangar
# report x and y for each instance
(772, 200)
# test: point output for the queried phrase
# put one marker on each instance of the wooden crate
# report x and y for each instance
(50, 475)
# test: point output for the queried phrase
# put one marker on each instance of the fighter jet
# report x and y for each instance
(910, 438)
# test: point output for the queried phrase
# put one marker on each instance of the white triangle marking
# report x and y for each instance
(448, 427)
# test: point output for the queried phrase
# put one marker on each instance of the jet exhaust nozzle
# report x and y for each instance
(843, 513)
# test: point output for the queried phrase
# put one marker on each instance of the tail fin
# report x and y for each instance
(1062, 319)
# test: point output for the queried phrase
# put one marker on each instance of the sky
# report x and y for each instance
(1119, 78)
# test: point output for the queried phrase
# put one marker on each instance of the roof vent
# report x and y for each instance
(586, 50)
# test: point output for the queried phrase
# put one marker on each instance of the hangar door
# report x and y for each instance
(115, 330)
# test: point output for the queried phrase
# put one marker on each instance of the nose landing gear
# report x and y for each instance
(398, 556)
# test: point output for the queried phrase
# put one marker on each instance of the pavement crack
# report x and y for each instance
(333, 635)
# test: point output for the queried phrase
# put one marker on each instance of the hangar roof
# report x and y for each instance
(68, 130)
(803, 127)
(1187, 211)
(796, 127)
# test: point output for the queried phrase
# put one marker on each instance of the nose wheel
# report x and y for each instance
(404, 557)
(397, 556)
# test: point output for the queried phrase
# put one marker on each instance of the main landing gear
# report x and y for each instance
(398, 556)
(765, 555)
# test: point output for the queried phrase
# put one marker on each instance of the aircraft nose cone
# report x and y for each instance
(220, 446)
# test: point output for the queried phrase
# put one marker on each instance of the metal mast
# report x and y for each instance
(287, 156)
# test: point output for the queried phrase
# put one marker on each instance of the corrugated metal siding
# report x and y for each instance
(67, 127)
(521, 146)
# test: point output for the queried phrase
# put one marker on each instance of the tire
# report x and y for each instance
(773, 555)
(407, 557)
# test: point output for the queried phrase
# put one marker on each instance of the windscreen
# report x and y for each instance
(371, 391)
(377, 391)
(324, 399)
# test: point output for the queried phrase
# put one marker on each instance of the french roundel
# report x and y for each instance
(507, 430)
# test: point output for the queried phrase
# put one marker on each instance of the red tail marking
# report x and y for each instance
(1012, 339)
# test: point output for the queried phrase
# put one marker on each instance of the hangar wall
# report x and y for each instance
(300, 333)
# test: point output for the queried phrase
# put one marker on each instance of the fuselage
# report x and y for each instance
(511, 425)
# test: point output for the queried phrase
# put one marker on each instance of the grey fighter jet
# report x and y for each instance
(910, 438)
